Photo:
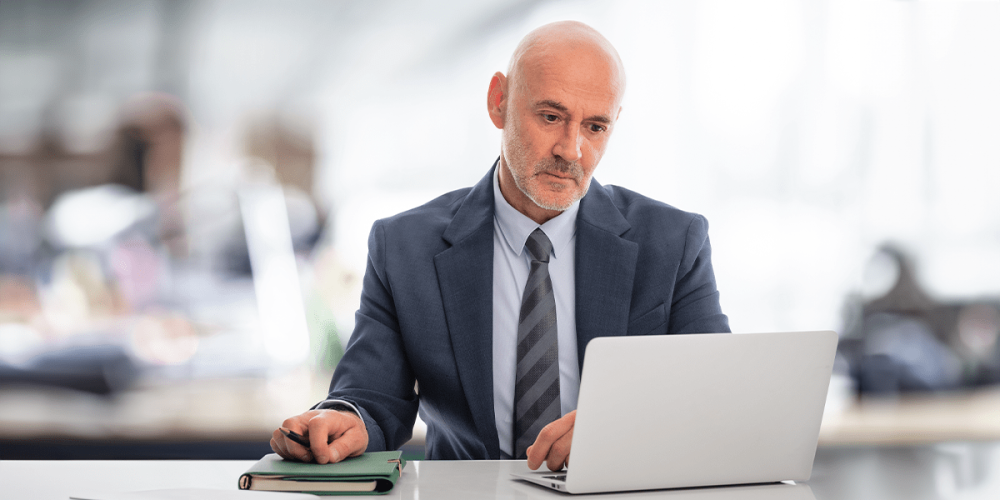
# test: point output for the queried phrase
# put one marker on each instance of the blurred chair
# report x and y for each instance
(906, 340)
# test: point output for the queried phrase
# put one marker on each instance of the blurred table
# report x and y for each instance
(915, 418)
(232, 418)
(208, 418)
(969, 471)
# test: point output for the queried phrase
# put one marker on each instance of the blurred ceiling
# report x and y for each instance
(66, 66)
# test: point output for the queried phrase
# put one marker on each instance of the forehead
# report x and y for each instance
(582, 81)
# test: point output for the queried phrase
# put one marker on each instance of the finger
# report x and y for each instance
(326, 429)
(288, 449)
(549, 435)
(291, 449)
(559, 452)
(278, 445)
(538, 451)
(350, 444)
(274, 442)
(276, 448)
(319, 435)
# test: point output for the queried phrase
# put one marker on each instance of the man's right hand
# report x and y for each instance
(333, 436)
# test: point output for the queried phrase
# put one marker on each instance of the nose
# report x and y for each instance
(569, 145)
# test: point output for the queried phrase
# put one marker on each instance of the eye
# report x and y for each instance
(597, 128)
(550, 118)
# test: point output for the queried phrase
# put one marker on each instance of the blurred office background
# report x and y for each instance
(186, 189)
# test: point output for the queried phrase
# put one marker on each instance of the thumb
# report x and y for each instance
(351, 443)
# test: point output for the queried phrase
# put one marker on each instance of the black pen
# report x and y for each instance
(295, 436)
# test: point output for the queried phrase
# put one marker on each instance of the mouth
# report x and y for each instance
(564, 177)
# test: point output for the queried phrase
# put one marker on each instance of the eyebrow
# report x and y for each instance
(558, 106)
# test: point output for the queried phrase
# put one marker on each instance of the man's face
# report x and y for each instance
(557, 122)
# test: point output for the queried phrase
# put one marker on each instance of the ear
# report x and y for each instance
(496, 99)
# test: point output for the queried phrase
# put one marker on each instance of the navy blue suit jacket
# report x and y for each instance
(642, 267)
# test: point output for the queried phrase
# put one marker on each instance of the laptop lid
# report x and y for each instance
(674, 411)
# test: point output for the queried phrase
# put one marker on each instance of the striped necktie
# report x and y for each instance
(536, 390)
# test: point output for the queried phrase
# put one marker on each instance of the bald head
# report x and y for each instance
(557, 107)
(567, 42)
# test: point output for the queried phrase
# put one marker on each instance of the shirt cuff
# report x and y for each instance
(339, 405)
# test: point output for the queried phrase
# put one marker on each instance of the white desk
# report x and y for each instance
(967, 471)
(52, 480)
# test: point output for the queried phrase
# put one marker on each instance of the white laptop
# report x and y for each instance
(679, 411)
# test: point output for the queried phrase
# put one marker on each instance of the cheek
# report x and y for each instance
(535, 141)
(592, 156)
(524, 137)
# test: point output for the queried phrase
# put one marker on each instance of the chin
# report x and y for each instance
(560, 202)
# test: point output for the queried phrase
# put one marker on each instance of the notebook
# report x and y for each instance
(373, 473)
(678, 411)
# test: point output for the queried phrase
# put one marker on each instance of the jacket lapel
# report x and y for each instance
(605, 269)
(465, 277)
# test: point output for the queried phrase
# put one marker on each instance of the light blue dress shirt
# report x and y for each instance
(510, 272)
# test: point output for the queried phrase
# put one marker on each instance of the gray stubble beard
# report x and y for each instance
(550, 164)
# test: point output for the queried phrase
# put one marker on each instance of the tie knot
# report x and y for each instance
(538, 246)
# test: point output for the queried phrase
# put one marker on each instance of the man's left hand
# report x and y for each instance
(552, 444)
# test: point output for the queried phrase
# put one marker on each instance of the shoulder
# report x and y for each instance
(435, 214)
(650, 217)
(667, 237)
(418, 231)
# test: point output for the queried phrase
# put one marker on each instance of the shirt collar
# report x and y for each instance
(516, 227)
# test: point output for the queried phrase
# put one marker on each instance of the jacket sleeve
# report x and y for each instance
(695, 307)
(374, 375)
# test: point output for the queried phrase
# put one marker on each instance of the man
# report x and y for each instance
(487, 296)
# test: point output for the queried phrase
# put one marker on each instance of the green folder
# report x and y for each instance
(372, 473)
